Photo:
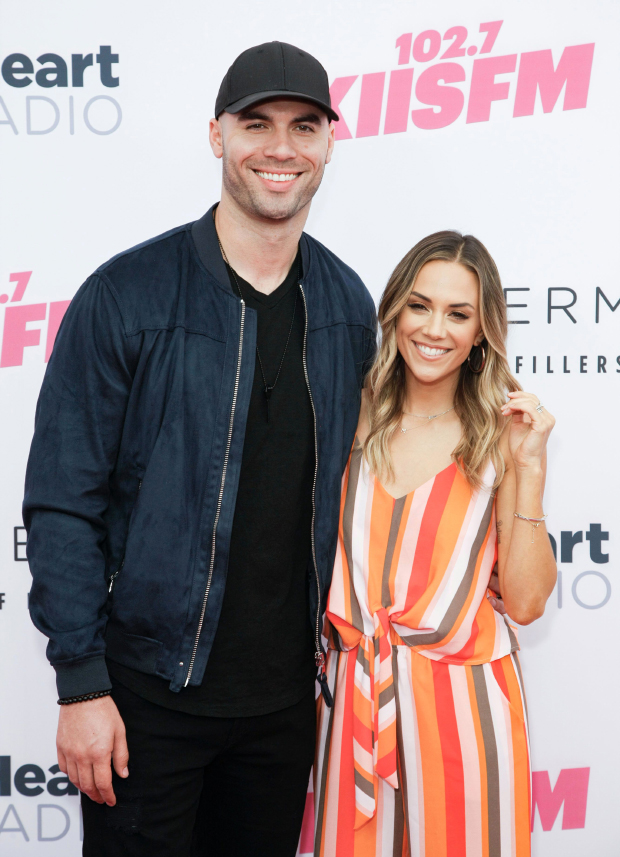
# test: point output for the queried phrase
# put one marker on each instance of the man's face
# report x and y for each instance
(274, 155)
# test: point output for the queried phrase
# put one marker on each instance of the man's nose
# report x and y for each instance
(280, 146)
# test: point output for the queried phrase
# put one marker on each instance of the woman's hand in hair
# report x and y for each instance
(529, 429)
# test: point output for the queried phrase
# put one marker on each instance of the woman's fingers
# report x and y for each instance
(527, 403)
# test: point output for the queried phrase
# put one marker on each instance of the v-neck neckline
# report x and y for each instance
(403, 496)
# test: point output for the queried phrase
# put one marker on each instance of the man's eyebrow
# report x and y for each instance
(256, 115)
(454, 306)
(252, 114)
(308, 117)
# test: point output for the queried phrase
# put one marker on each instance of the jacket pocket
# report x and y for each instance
(112, 578)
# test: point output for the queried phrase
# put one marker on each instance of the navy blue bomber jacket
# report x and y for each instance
(134, 465)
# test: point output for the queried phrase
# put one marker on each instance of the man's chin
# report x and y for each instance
(277, 209)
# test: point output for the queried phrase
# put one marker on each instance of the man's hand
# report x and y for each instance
(89, 735)
(496, 601)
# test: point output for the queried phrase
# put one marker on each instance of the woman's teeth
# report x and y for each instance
(277, 177)
(431, 352)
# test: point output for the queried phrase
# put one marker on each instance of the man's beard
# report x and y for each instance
(265, 205)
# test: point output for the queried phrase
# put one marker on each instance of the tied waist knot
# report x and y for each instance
(374, 719)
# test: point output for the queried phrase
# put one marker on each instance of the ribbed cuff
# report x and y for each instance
(82, 677)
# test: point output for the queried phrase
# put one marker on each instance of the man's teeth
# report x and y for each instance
(431, 352)
(277, 177)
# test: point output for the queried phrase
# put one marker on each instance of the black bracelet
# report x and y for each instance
(69, 700)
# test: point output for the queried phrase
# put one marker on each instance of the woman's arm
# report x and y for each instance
(526, 565)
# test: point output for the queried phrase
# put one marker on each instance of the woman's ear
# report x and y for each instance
(479, 338)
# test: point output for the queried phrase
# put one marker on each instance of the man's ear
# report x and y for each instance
(330, 142)
(215, 138)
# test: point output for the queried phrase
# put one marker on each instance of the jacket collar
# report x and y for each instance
(205, 239)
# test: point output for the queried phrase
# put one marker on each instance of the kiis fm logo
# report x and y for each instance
(101, 114)
(16, 334)
(440, 102)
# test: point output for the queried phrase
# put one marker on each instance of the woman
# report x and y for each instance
(425, 751)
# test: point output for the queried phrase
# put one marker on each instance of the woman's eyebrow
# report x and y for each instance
(452, 306)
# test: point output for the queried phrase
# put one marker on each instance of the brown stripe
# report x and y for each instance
(364, 785)
(402, 770)
(386, 695)
(399, 821)
(490, 752)
(320, 798)
(397, 514)
(363, 660)
(453, 611)
(514, 643)
(347, 531)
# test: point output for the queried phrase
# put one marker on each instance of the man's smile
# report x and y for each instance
(277, 177)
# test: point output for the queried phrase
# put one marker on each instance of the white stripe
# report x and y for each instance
(409, 544)
(411, 760)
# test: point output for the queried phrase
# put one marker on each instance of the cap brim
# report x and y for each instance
(256, 97)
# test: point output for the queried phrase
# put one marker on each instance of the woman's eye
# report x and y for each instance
(416, 306)
(460, 316)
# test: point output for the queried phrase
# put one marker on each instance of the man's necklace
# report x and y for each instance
(423, 417)
(267, 388)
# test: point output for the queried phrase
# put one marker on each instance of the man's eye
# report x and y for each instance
(305, 128)
(256, 125)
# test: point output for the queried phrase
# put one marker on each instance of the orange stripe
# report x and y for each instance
(431, 757)
(380, 520)
(520, 753)
(431, 520)
(448, 531)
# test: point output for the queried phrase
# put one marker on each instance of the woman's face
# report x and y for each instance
(440, 323)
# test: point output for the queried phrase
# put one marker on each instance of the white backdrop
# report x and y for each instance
(82, 179)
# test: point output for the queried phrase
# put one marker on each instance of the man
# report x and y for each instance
(183, 489)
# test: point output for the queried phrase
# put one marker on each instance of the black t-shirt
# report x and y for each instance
(262, 658)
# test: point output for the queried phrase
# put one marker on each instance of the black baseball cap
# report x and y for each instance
(274, 70)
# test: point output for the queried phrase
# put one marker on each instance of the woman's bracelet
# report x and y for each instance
(85, 697)
(535, 522)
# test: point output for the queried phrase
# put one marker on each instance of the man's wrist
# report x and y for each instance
(85, 697)
(82, 677)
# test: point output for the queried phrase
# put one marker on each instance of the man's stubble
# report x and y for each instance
(266, 206)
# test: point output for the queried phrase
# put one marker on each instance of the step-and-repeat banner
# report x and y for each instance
(497, 118)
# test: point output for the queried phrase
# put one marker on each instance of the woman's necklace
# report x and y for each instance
(423, 417)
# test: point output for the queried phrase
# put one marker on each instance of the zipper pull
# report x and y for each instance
(327, 696)
(319, 658)
(115, 575)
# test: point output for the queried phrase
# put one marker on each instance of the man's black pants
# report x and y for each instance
(205, 786)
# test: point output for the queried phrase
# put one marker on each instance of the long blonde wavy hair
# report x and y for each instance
(478, 397)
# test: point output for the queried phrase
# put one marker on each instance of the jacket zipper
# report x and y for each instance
(319, 655)
(120, 568)
(220, 498)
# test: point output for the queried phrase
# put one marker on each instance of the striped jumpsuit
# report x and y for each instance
(425, 752)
